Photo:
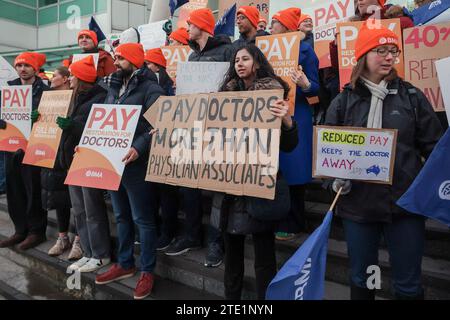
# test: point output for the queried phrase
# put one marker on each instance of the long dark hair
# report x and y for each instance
(265, 70)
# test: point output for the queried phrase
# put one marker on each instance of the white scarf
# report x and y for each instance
(379, 92)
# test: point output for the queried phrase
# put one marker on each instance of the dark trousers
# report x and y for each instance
(169, 202)
(405, 239)
(63, 218)
(295, 221)
(265, 263)
(23, 192)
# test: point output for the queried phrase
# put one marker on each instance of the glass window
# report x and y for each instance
(100, 6)
(43, 3)
(48, 15)
(17, 13)
(86, 7)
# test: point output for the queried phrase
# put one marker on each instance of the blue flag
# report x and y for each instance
(303, 276)
(429, 194)
(428, 12)
(93, 26)
(175, 4)
(226, 24)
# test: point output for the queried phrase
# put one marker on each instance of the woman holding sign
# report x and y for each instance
(297, 165)
(378, 98)
(250, 71)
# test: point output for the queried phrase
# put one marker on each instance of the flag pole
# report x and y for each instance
(335, 199)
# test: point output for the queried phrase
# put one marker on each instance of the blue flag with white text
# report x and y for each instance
(175, 4)
(225, 26)
(303, 276)
(429, 194)
(93, 26)
(430, 11)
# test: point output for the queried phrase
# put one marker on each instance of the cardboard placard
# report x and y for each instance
(174, 55)
(106, 139)
(7, 72)
(226, 142)
(186, 9)
(16, 106)
(79, 56)
(346, 39)
(423, 46)
(152, 35)
(354, 153)
(443, 67)
(200, 77)
(325, 15)
(45, 136)
(282, 51)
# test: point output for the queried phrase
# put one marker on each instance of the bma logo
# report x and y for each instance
(302, 282)
(444, 190)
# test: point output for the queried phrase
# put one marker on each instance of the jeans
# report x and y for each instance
(168, 199)
(136, 202)
(405, 239)
(295, 221)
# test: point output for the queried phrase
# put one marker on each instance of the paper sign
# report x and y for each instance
(423, 46)
(106, 139)
(325, 15)
(152, 35)
(186, 9)
(174, 55)
(282, 51)
(354, 153)
(347, 35)
(226, 142)
(7, 72)
(16, 106)
(200, 77)
(79, 56)
(45, 136)
(443, 68)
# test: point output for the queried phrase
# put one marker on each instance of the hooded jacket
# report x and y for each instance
(217, 49)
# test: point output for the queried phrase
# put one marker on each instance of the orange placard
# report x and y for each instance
(347, 35)
(16, 106)
(187, 9)
(423, 46)
(283, 51)
(173, 55)
(45, 136)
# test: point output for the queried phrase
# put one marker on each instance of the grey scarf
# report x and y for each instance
(379, 92)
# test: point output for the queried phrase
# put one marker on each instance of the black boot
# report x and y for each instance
(358, 293)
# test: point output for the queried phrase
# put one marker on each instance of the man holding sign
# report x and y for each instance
(23, 184)
(379, 99)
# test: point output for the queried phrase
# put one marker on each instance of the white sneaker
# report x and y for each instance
(94, 265)
(77, 265)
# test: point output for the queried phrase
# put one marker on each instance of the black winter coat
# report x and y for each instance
(70, 138)
(242, 41)
(142, 89)
(217, 49)
(418, 132)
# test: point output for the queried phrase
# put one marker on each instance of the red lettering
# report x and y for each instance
(111, 120)
(6, 95)
(127, 118)
(98, 114)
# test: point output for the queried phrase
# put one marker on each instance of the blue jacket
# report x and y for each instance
(297, 165)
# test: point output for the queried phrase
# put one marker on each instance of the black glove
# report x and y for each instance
(2, 124)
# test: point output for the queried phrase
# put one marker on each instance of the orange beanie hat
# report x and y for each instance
(369, 39)
(180, 35)
(91, 34)
(288, 18)
(156, 56)
(304, 17)
(40, 58)
(202, 19)
(27, 58)
(84, 69)
(382, 2)
(251, 13)
(262, 20)
(133, 52)
(65, 63)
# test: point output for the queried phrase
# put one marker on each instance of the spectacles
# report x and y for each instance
(383, 52)
(241, 17)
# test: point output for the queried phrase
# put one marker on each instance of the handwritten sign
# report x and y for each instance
(283, 52)
(175, 55)
(200, 77)
(423, 46)
(79, 56)
(106, 139)
(347, 35)
(226, 142)
(152, 35)
(45, 136)
(16, 106)
(354, 153)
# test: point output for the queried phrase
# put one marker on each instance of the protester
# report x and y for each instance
(250, 71)
(55, 194)
(23, 185)
(179, 37)
(297, 165)
(378, 98)
(87, 41)
(262, 24)
(89, 208)
(157, 63)
(135, 203)
(305, 25)
(210, 48)
(247, 23)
